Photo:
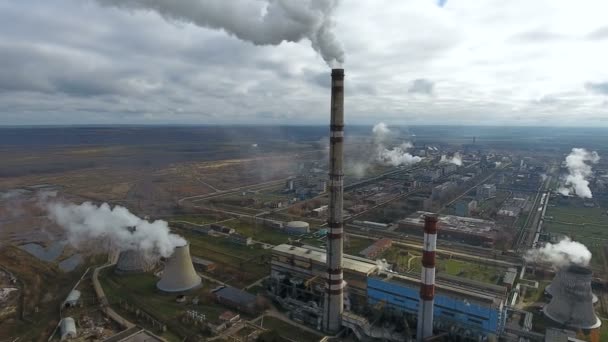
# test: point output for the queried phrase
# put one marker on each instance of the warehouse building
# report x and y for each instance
(237, 299)
(308, 262)
(473, 306)
(467, 230)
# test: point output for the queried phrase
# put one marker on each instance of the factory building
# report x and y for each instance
(486, 191)
(307, 262)
(297, 227)
(467, 230)
(237, 299)
(297, 281)
(472, 307)
(465, 207)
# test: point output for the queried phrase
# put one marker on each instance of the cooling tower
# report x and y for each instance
(179, 274)
(572, 302)
(133, 261)
(555, 284)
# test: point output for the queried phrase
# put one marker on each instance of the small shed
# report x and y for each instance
(236, 299)
(203, 264)
(68, 329)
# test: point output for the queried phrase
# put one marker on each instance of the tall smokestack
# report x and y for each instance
(427, 281)
(334, 300)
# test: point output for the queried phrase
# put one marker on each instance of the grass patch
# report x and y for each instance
(140, 290)
(237, 265)
(259, 232)
(356, 245)
(289, 331)
(586, 225)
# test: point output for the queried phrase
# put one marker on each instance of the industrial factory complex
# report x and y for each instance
(453, 245)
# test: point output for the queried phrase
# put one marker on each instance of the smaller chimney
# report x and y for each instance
(427, 280)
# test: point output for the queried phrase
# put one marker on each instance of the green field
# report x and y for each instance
(356, 245)
(259, 232)
(237, 265)
(401, 258)
(140, 290)
(586, 225)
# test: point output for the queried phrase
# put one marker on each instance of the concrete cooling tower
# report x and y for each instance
(179, 274)
(572, 301)
(133, 261)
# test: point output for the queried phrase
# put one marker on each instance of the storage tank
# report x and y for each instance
(297, 227)
(68, 329)
(179, 274)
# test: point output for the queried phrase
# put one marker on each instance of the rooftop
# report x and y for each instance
(235, 295)
(465, 289)
(349, 262)
(455, 223)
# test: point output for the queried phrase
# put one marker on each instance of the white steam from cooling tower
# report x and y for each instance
(263, 22)
(579, 163)
(113, 228)
(395, 156)
(563, 253)
(456, 159)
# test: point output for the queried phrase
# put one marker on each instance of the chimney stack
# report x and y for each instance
(334, 300)
(427, 280)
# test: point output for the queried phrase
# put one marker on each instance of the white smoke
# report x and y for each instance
(398, 155)
(563, 253)
(498, 164)
(117, 228)
(456, 159)
(394, 156)
(579, 170)
(380, 131)
(262, 22)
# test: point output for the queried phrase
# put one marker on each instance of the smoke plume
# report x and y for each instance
(579, 163)
(562, 254)
(398, 155)
(116, 228)
(456, 159)
(264, 22)
(395, 156)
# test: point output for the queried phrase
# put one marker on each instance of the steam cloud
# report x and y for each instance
(562, 254)
(579, 170)
(395, 156)
(265, 22)
(456, 159)
(116, 227)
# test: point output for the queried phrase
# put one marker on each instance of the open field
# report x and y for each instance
(237, 265)
(586, 225)
(409, 261)
(140, 290)
(356, 245)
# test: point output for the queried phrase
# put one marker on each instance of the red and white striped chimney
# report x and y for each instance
(427, 281)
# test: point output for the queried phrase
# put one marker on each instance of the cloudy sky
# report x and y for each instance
(519, 62)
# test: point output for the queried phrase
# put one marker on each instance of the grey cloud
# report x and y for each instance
(599, 88)
(537, 36)
(421, 86)
(599, 34)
